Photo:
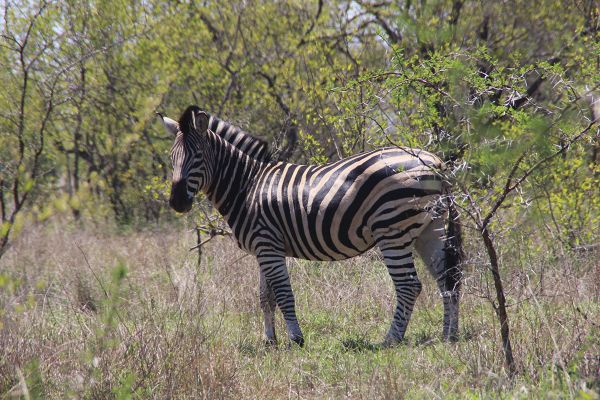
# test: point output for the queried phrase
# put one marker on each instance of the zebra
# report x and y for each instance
(393, 198)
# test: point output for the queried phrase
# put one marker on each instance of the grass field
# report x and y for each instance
(95, 313)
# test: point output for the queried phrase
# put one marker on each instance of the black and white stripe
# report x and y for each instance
(252, 146)
(393, 198)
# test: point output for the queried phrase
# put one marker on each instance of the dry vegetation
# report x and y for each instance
(91, 314)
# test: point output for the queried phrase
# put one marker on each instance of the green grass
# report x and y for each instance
(142, 320)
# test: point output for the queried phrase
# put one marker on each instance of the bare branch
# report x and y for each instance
(505, 192)
(313, 23)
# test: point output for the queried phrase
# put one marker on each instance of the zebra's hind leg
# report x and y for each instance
(400, 265)
(274, 270)
(268, 306)
(432, 247)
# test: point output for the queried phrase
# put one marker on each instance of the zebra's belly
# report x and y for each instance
(321, 234)
(321, 252)
(337, 241)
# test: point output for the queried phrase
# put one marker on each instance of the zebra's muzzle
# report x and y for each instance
(179, 200)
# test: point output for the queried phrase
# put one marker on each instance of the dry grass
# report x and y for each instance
(139, 317)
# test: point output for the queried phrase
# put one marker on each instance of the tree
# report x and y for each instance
(29, 98)
(500, 106)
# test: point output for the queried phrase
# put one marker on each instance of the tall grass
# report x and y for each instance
(96, 313)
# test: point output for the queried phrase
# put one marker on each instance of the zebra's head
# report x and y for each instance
(191, 171)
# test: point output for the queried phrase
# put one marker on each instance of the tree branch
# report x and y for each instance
(313, 23)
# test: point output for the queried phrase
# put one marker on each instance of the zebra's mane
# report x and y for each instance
(249, 144)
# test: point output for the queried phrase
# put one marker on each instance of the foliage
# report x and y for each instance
(505, 91)
(326, 80)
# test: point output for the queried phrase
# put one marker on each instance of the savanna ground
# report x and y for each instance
(100, 313)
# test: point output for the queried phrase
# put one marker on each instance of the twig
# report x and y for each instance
(212, 232)
(202, 243)
(239, 258)
(92, 270)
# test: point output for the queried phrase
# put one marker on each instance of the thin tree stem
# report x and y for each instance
(501, 307)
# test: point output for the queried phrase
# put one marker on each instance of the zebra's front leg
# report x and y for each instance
(400, 265)
(268, 306)
(274, 270)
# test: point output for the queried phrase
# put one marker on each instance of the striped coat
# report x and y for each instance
(394, 198)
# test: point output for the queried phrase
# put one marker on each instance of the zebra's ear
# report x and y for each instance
(171, 125)
(201, 121)
(193, 119)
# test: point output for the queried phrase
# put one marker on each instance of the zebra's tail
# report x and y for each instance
(453, 246)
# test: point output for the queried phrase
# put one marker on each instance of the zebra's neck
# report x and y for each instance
(252, 146)
(234, 172)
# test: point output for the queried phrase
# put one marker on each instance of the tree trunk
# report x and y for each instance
(501, 307)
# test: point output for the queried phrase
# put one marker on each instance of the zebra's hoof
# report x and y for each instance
(453, 338)
(390, 342)
(299, 340)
